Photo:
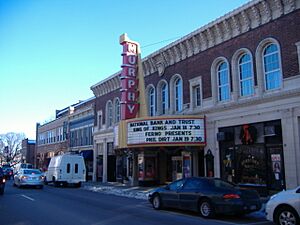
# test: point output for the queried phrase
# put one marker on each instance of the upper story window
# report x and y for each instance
(117, 110)
(246, 75)
(271, 67)
(223, 82)
(151, 101)
(109, 114)
(162, 97)
(178, 94)
(196, 96)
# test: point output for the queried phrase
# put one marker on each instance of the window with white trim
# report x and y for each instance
(151, 101)
(117, 111)
(178, 94)
(109, 115)
(196, 95)
(223, 82)
(271, 67)
(246, 75)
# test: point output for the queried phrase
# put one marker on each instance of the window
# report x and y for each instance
(68, 168)
(196, 96)
(76, 167)
(151, 101)
(175, 185)
(271, 67)
(193, 184)
(109, 115)
(178, 94)
(117, 111)
(164, 98)
(223, 82)
(246, 75)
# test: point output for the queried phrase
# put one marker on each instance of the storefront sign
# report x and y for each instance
(129, 83)
(189, 131)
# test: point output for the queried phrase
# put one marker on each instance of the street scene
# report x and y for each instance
(54, 205)
(150, 112)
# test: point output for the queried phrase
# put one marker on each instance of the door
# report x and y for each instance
(111, 168)
(170, 196)
(176, 167)
(189, 194)
(276, 179)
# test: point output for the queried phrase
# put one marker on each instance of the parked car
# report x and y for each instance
(66, 169)
(8, 171)
(208, 196)
(2, 181)
(29, 177)
(284, 207)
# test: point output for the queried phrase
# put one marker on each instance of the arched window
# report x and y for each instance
(109, 114)
(246, 75)
(271, 67)
(223, 82)
(151, 101)
(164, 98)
(117, 110)
(178, 94)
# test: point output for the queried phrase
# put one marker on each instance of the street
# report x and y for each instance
(76, 206)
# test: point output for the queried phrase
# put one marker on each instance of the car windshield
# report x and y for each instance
(27, 172)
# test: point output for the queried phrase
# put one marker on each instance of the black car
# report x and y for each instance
(8, 172)
(208, 196)
(2, 182)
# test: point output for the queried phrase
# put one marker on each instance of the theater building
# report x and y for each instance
(231, 90)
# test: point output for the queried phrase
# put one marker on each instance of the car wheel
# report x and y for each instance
(156, 202)
(286, 216)
(206, 209)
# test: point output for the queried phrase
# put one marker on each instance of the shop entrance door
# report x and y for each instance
(276, 179)
(111, 170)
(176, 167)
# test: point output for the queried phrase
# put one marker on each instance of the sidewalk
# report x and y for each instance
(138, 192)
(119, 189)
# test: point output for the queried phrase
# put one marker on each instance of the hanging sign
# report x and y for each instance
(128, 77)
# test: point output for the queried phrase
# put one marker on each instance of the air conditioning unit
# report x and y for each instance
(224, 136)
(270, 131)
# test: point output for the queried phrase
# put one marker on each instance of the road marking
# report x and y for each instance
(25, 196)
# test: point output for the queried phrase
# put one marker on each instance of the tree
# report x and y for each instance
(10, 147)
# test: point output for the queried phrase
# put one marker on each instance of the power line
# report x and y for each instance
(170, 39)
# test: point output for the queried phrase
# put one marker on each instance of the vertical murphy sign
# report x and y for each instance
(128, 77)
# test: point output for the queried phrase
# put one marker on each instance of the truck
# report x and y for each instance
(66, 169)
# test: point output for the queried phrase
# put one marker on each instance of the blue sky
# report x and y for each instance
(53, 51)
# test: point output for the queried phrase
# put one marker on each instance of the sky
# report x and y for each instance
(53, 51)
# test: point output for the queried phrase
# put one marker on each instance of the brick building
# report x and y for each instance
(240, 72)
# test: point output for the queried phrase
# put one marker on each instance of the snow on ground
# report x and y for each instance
(130, 192)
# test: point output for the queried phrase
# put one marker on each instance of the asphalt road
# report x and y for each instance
(75, 206)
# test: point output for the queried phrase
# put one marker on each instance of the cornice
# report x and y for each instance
(249, 16)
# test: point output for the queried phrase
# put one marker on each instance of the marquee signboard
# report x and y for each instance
(185, 131)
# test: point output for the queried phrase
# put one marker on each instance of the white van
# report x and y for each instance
(66, 169)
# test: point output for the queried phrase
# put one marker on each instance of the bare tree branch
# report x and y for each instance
(10, 147)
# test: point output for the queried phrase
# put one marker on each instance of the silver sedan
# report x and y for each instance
(29, 177)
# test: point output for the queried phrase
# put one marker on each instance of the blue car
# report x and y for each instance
(208, 196)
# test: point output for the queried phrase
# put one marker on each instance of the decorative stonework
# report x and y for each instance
(237, 22)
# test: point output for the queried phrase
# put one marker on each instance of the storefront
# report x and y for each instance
(161, 150)
(252, 155)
